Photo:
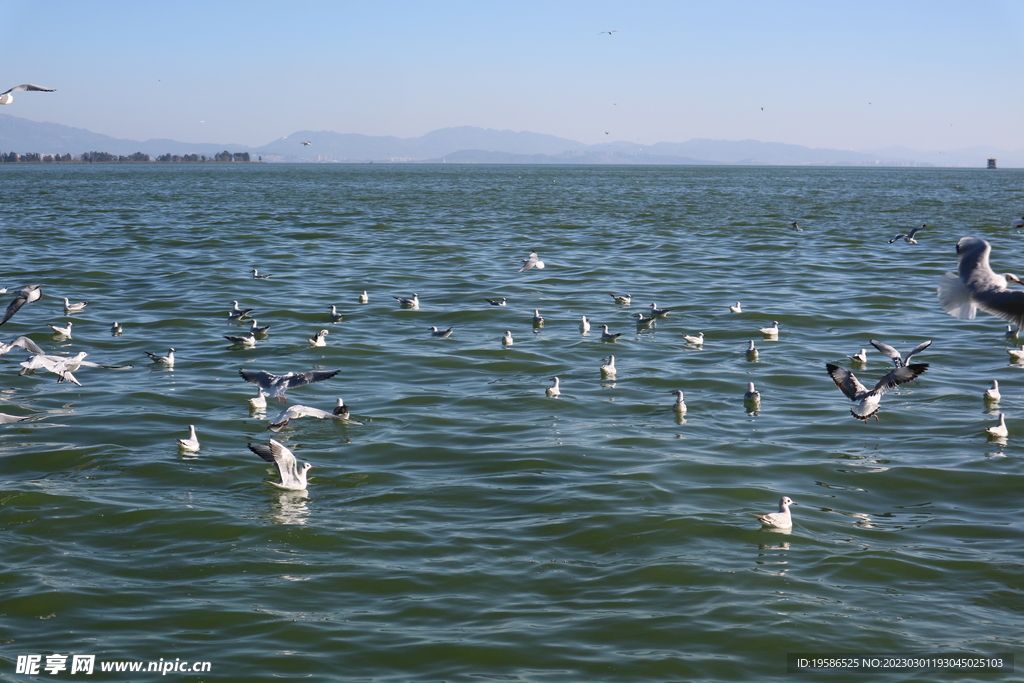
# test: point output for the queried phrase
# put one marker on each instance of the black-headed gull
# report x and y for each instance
(319, 339)
(609, 336)
(737, 308)
(781, 519)
(608, 369)
(553, 390)
(6, 97)
(644, 323)
(679, 406)
(772, 331)
(293, 477)
(444, 334)
(898, 360)
(22, 343)
(796, 227)
(335, 316)
(297, 411)
(364, 298)
(584, 324)
(992, 394)
(237, 312)
(259, 401)
(752, 353)
(256, 275)
(10, 419)
(695, 339)
(659, 312)
(999, 431)
(978, 286)
(74, 308)
(623, 299)
(867, 401)
(116, 329)
(538, 319)
(278, 385)
(25, 295)
(532, 261)
(506, 339)
(257, 329)
(192, 442)
(908, 238)
(167, 360)
(860, 357)
(248, 341)
(62, 331)
(414, 302)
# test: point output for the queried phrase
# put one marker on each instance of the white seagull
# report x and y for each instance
(293, 478)
(868, 401)
(443, 334)
(860, 357)
(796, 227)
(752, 353)
(992, 394)
(278, 385)
(584, 324)
(695, 339)
(6, 97)
(259, 401)
(908, 238)
(74, 308)
(25, 295)
(116, 328)
(781, 519)
(496, 302)
(531, 261)
(167, 360)
(659, 312)
(1016, 355)
(978, 286)
(258, 329)
(898, 360)
(364, 298)
(62, 331)
(237, 312)
(414, 302)
(608, 369)
(737, 308)
(752, 398)
(553, 390)
(644, 323)
(296, 411)
(256, 275)
(335, 316)
(772, 331)
(319, 338)
(608, 336)
(192, 442)
(999, 431)
(624, 299)
(248, 341)
(538, 319)
(20, 342)
(679, 406)
(506, 339)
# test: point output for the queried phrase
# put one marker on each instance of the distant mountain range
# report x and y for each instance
(471, 145)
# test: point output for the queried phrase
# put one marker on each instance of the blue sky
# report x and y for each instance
(849, 75)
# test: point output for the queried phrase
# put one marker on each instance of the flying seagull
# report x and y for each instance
(897, 360)
(614, 30)
(25, 295)
(297, 411)
(293, 478)
(278, 385)
(978, 286)
(22, 342)
(531, 261)
(908, 238)
(6, 97)
(868, 401)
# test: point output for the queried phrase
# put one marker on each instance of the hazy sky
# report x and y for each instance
(929, 75)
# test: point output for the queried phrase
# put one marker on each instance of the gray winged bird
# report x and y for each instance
(898, 360)
(293, 478)
(908, 238)
(867, 401)
(978, 286)
(296, 411)
(25, 295)
(278, 385)
(22, 342)
(6, 97)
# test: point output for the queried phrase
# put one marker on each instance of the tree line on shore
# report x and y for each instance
(107, 158)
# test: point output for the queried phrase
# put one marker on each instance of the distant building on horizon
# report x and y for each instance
(991, 163)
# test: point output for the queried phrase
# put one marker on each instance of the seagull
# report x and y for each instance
(615, 30)
(297, 411)
(167, 360)
(62, 366)
(256, 275)
(496, 302)
(530, 262)
(248, 341)
(868, 400)
(257, 329)
(608, 369)
(796, 227)
(335, 316)
(659, 312)
(978, 286)
(737, 308)
(414, 302)
(116, 328)
(293, 478)
(772, 331)
(74, 308)
(538, 320)
(608, 336)
(191, 443)
(237, 313)
(624, 300)
(259, 401)
(679, 407)
(62, 331)
(6, 97)
(306, 143)
(444, 334)
(318, 338)
(20, 342)
(553, 390)
(506, 339)
(364, 298)
(278, 385)
(897, 359)
(752, 397)
(8, 419)
(861, 357)
(584, 324)
(342, 410)
(999, 431)
(752, 352)
(642, 322)
(908, 238)
(992, 394)
(697, 339)
(781, 519)
(25, 295)
(1016, 355)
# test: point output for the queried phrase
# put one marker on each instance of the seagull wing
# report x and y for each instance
(23, 342)
(299, 378)
(917, 349)
(15, 306)
(1007, 304)
(900, 376)
(27, 86)
(846, 381)
(888, 351)
(259, 378)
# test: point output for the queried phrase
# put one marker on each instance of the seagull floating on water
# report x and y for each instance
(278, 385)
(868, 400)
(772, 331)
(192, 442)
(781, 519)
(624, 299)
(257, 329)
(25, 295)
(978, 286)
(1016, 355)
(237, 312)
(531, 261)
(608, 369)
(364, 298)
(642, 322)
(506, 339)
(898, 360)
(167, 360)
(259, 401)
(908, 238)
(752, 353)
(256, 275)
(679, 406)
(695, 339)
(737, 308)
(414, 302)
(992, 394)
(659, 312)
(296, 411)
(609, 336)
(74, 308)
(584, 324)
(999, 431)
(335, 316)
(6, 97)
(859, 357)
(248, 341)
(1012, 332)
(538, 319)
(293, 477)
(62, 331)
(444, 334)
(553, 390)
(319, 339)
(496, 302)
(752, 398)
(796, 227)
(116, 328)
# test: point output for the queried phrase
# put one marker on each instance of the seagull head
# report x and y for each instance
(1010, 277)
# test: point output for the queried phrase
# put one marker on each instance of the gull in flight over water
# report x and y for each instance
(908, 238)
(781, 519)
(898, 360)
(297, 411)
(531, 261)
(306, 143)
(25, 295)
(278, 385)
(796, 227)
(8, 419)
(978, 286)
(23, 343)
(190, 444)
(63, 366)
(752, 398)
(867, 401)
(6, 97)
(293, 478)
